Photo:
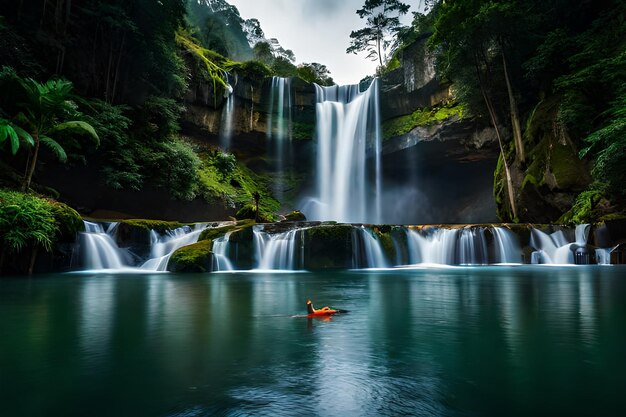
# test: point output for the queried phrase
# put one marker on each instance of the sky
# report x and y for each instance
(316, 31)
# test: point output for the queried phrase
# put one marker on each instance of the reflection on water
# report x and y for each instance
(461, 341)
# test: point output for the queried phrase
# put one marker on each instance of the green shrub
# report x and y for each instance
(26, 221)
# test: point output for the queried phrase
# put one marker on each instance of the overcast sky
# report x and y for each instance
(316, 31)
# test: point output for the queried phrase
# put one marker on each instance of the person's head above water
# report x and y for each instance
(309, 307)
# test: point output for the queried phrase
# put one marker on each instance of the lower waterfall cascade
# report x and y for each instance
(365, 247)
(99, 250)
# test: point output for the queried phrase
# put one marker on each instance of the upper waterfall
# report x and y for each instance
(348, 165)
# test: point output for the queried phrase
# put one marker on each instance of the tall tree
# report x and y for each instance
(43, 111)
(382, 23)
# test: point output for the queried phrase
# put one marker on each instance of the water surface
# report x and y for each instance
(523, 340)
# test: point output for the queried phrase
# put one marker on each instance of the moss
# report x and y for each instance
(196, 257)
(303, 131)
(253, 70)
(68, 220)
(160, 226)
(248, 211)
(420, 117)
(583, 209)
(295, 216)
(565, 165)
(328, 247)
(237, 188)
(214, 233)
(386, 242)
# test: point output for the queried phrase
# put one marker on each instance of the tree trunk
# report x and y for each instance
(517, 130)
(494, 121)
(117, 67)
(107, 95)
(33, 164)
(33, 257)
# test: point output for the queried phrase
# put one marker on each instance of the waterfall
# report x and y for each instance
(472, 247)
(603, 255)
(557, 249)
(228, 112)
(367, 251)
(348, 163)
(278, 251)
(163, 246)
(99, 250)
(507, 246)
(279, 130)
(221, 262)
(438, 246)
(466, 246)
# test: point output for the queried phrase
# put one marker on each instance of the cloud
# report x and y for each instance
(328, 8)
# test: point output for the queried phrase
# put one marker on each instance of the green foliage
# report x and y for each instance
(282, 67)
(248, 212)
(583, 209)
(382, 22)
(39, 115)
(180, 178)
(238, 188)
(315, 73)
(225, 163)
(26, 221)
(159, 117)
(68, 220)
(608, 144)
(253, 70)
(421, 117)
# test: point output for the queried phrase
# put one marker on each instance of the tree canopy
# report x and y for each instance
(382, 23)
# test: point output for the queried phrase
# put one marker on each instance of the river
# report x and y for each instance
(456, 341)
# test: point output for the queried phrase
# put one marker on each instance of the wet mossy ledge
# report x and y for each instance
(196, 257)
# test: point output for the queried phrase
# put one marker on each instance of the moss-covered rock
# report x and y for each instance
(328, 247)
(421, 117)
(160, 226)
(547, 184)
(295, 216)
(213, 233)
(248, 211)
(68, 220)
(383, 233)
(241, 244)
(196, 257)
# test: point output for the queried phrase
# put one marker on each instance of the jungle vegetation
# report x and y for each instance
(550, 77)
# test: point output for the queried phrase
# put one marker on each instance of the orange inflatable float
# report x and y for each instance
(321, 312)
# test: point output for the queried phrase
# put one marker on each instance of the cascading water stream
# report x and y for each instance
(99, 250)
(228, 112)
(348, 163)
(367, 250)
(508, 250)
(555, 248)
(436, 247)
(278, 251)
(221, 262)
(163, 246)
(279, 130)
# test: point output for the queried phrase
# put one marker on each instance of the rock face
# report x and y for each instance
(413, 84)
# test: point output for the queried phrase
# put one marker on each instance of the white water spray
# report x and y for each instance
(348, 155)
